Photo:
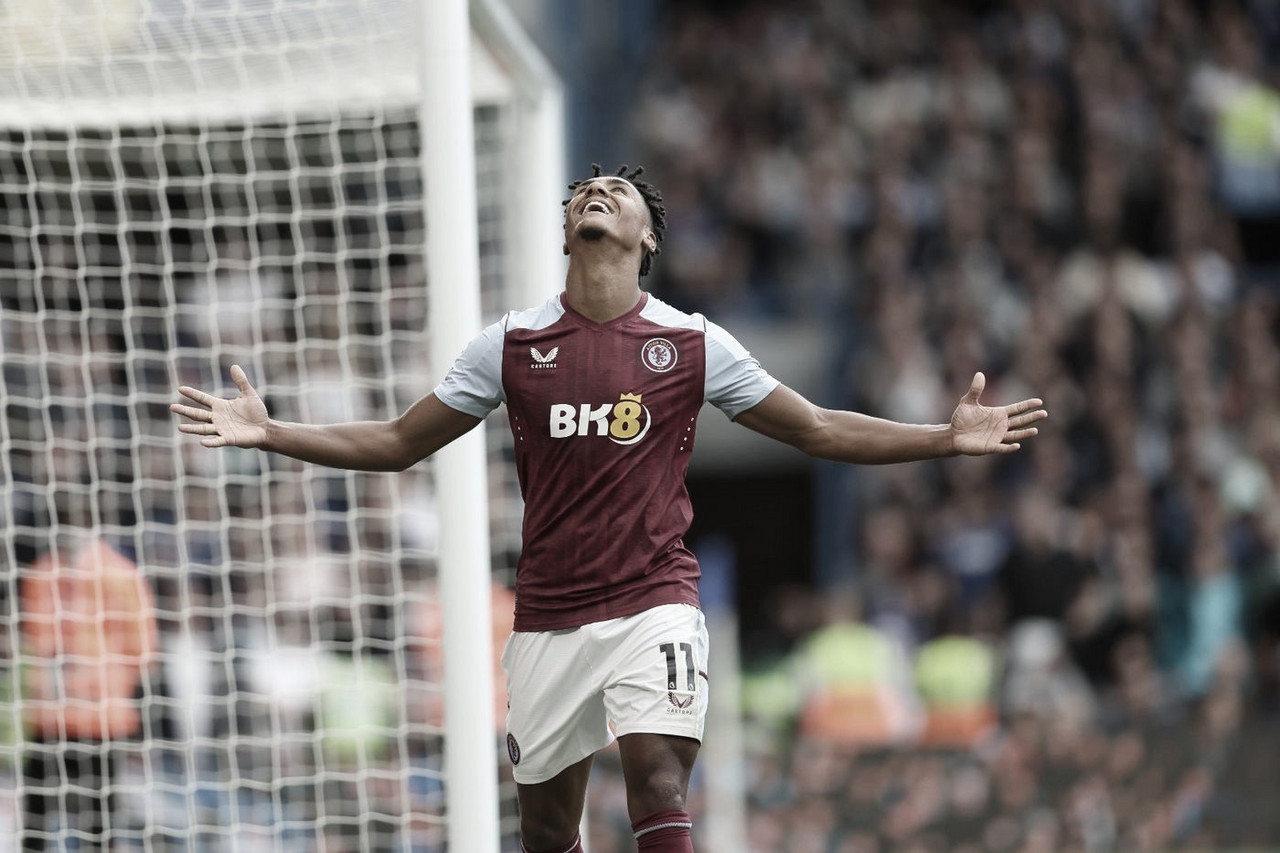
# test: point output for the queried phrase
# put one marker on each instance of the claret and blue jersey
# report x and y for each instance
(603, 418)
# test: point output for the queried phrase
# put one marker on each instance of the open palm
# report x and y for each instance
(238, 422)
(977, 429)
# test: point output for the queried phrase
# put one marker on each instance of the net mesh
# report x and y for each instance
(274, 680)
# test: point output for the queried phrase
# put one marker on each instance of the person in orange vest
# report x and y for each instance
(429, 632)
(88, 635)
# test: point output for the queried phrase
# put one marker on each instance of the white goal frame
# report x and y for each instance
(451, 255)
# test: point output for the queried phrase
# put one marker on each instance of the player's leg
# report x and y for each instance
(657, 768)
(551, 811)
(656, 698)
(555, 725)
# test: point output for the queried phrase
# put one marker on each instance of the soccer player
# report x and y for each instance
(603, 384)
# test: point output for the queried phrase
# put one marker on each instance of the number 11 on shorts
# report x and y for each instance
(669, 649)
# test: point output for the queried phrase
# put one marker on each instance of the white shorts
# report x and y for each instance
(570, 692)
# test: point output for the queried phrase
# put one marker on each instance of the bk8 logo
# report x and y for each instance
(624, 422)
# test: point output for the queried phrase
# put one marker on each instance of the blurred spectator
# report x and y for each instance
(427, 625)
(1040, 680)
(89, 636)
(1045, 570)
(1235, 88)
(956, 678)
(856, 679)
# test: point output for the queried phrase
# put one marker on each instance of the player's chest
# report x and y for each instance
(599, 372)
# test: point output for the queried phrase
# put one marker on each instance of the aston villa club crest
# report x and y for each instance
(659, 355)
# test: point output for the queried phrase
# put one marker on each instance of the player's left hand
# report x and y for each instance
(238, 422)
(977, 429)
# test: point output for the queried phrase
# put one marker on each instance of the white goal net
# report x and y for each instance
(225, 650)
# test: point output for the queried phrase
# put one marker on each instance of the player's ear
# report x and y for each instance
(650, 241)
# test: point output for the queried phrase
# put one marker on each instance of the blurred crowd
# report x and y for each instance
(1081, 199)
(291, 692)
(287, 695)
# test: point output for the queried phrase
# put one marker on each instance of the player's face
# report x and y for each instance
(608, 206)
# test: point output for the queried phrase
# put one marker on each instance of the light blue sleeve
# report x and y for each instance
(473, 384)
(735, 380)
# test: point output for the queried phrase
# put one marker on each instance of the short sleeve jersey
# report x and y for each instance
(603, 417)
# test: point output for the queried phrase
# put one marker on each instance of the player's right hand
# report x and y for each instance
(238, 422)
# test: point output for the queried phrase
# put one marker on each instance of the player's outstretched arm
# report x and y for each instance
(974, 430)
(394, 445)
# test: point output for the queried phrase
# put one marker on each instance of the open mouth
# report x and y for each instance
(597, 206)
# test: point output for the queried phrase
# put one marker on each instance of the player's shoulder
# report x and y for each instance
(665, 314)
(718, 340)
(534, 318)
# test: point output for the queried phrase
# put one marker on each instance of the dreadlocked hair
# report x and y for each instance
(652, 199)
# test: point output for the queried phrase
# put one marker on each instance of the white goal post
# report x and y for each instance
(335, 194)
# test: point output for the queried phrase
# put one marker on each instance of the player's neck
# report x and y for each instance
(601, 292)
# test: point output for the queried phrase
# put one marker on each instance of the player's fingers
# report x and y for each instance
(1016, 435)
(198, 429)
(242, 381)
(213, 441)
(976, 387)
(1027, 418)
(191, 412)
(1026, 406)
(197, 395)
